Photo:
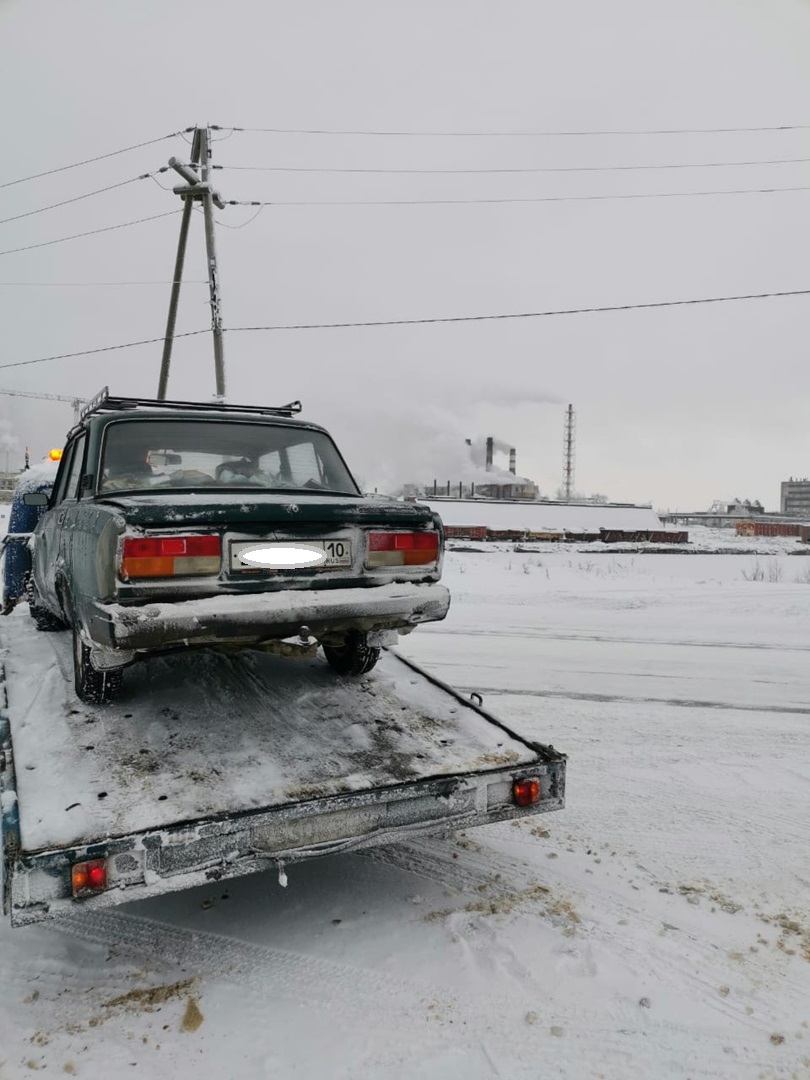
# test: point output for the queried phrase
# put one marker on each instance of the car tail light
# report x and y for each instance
(89, 877)
(526, 792)
(170, 556)
(402, 548)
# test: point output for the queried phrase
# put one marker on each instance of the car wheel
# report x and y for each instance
(354, 657)
(93, 686)
(43, 618)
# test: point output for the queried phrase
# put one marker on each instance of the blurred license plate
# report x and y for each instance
(338, 552)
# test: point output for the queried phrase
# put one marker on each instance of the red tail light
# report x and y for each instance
(87, 877)
(402, 548)
(526, 792)
(170, 556)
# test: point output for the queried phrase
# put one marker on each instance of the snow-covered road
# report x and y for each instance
(657, 927)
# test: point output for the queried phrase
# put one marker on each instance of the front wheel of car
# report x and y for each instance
(354, 657)
(93, 686)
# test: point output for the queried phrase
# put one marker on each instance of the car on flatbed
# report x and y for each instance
(174, 525)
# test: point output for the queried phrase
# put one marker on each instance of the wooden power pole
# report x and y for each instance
(196, 188)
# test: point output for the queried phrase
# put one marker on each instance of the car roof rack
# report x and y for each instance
(102, 402)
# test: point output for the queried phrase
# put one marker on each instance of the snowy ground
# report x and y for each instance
(657, 927)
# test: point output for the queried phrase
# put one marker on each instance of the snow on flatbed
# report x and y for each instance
(202, 734)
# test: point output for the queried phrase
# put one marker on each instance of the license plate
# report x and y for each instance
(338, 552)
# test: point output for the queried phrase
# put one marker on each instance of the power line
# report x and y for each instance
(90, 232)
(78, 198)
(89, 161)
(431, 321)
(93, 284)
(552, 169)
(512, 134)
(526, 314)
(105, 348)
(528, 199)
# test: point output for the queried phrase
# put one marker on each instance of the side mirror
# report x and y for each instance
(35, 498)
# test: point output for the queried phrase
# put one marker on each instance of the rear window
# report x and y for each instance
(167, 455)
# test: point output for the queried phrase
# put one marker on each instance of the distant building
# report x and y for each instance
(794, 497)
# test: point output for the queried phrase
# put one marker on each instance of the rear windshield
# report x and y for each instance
(167, 455)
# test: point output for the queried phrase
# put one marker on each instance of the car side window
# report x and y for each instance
(75, 470)
(65, 468)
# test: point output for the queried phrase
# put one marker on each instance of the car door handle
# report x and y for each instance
(60, 518)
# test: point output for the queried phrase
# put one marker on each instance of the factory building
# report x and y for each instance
(794, 497)
(489, 482)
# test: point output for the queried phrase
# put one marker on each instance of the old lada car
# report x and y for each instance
(174, 525)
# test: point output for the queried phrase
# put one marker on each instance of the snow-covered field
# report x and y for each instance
(657, 927)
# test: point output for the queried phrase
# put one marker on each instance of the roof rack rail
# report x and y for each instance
(102, 402)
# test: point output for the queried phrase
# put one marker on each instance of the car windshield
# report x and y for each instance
(167, 455)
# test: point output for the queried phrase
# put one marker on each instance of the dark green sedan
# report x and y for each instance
(174, 524)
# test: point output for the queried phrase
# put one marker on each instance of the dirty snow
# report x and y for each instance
(656, 927)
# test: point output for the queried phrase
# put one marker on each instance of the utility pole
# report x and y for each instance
(209, 198)
(179, 262)
(196, 188)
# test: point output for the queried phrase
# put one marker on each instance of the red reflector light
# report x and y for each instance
(526, 792)
(89, 876)
(156, 547)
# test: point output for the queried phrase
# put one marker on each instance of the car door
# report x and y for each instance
(66, 521)
(49, 543)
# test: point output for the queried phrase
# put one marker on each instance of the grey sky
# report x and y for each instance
(679, 406)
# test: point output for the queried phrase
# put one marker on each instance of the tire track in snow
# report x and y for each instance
(306, 979)
(622, 699)
(544, 635)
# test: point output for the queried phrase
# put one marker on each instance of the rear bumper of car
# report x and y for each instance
(264, 616)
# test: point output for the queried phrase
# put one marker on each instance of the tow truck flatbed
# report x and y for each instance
(214, 765)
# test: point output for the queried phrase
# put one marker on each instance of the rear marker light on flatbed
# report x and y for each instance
(526, 792)
(402, 548)
(89, 877)
(170, 556)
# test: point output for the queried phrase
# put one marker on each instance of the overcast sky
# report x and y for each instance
(678, 406)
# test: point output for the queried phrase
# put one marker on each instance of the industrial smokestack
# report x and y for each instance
(490, 451)
(512, 461)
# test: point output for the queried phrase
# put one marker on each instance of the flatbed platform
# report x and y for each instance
(211, 765)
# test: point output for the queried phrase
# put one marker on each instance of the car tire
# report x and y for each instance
(93, 686)
(44, 619)
(354, 657)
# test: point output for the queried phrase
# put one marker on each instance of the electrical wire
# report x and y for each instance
(93, 284)
(512, 134)
(525, 314)
(528, 199)
(225, 225)
(480, 172)
(89, 161)
(105, 348)
(87, 195)
(90, 232)
(431, 321)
